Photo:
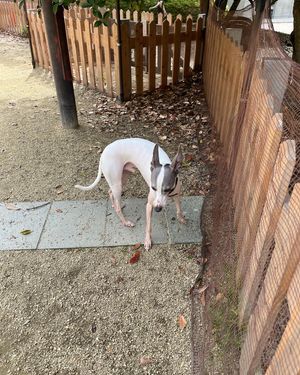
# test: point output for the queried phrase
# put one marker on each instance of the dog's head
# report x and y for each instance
(164, 178)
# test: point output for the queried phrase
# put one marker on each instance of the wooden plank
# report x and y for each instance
(46, 55)
(88, 41)
(99, 58)
(293, 294)
(114, 29)
(151, 56)
(177, 49)
(136, 16)
(81, 45)
(33, 40)
(126, 61)
(187, 51)
(199, 44)
(107, 60)
(128, 14)
(164, 55)
(37, 40)
(255, 197)
(284, 261)
(277, 191)
(72, 34)
(139, 58)
(220, 83)
(170, 18)
(286, 358)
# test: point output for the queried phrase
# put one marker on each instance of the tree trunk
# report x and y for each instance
(296, 42)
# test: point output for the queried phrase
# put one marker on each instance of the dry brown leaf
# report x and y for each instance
(136, 246)
(12, 207)
(203, 289)
(219, 297)
(144, 361)
(182, 322)
(202, 299)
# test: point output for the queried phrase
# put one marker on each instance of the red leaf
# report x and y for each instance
(135, 257)
(136, 246)
(181, 322)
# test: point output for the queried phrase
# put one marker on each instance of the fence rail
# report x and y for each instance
(266, 208)
(155, 52)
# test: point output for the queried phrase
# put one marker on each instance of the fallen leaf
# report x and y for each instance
(11, 206)
(203, 289)
(145, 361)
(135, 257)
(219, 297)
(189, 157)
(202, 299)
(25, 232)
(163, 137)
(136, 246)
(181, 322)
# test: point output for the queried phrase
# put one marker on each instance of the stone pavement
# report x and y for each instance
(78, 224)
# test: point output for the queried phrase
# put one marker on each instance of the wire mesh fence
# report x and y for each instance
(252, 88)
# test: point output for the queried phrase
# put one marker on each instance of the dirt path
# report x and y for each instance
(90, 311)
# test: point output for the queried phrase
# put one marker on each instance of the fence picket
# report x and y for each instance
(177, 49)
(187, 52)
(99, 58)
(72, 35)
(151, 56)
(114, 29)
(107, 60)
(199, 44)
(126, 57)
(88, 41)
(165, 54)
(81, 44)
(139, 57)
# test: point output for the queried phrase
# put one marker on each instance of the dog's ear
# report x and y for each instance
(155, 158)
(176, 163)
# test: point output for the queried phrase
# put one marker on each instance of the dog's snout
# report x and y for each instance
(158, 208)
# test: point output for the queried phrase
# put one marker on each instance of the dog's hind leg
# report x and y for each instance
(116, 192)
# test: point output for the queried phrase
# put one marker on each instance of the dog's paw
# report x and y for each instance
(128, 223)
(181, 219)
(147, 244)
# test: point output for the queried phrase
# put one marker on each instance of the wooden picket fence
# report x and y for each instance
(12, 19)
(155, 53)
(267, 220)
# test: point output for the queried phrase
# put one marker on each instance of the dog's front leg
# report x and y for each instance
(147, 243)
(180, 215)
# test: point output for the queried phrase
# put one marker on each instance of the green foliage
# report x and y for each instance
(183, 7)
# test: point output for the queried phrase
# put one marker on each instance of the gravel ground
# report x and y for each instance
(89, 311)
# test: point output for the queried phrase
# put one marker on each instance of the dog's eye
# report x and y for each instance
(153, 188)
(167, 190)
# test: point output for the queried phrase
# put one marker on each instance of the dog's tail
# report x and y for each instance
(98, 178)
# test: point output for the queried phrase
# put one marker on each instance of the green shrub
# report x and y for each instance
(183, 7)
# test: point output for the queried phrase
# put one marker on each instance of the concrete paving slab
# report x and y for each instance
(190, 232)
(135, 211)
(74, 224)
(20, 217)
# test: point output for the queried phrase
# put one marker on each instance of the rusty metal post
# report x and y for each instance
(60, 62)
